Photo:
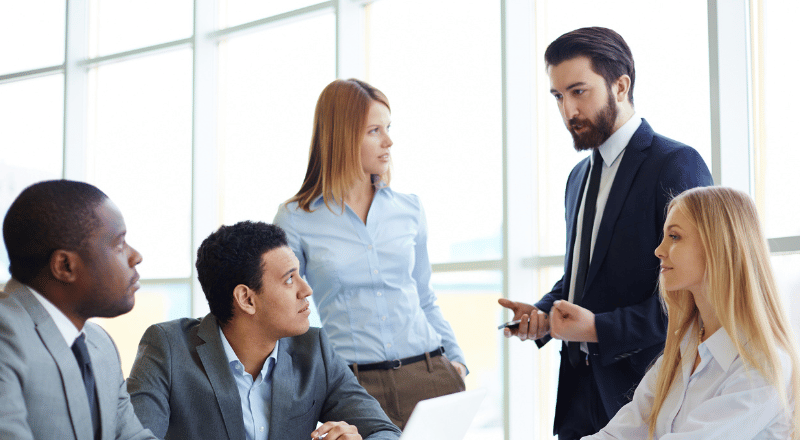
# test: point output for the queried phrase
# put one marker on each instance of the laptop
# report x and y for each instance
(442, 417)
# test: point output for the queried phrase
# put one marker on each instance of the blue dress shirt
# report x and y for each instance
(255, 394)
(371, 281)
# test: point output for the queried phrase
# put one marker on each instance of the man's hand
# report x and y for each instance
(336, 431)
(572, 323)
(461, 368)
(533, 323)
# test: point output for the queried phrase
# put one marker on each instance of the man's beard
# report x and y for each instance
(595, 132)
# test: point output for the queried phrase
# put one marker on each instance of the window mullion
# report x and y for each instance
(76, 90)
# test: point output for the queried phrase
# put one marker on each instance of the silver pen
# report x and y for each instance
(320, 437)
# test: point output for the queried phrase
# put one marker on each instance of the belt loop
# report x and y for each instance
(355, 369)
(428, 362)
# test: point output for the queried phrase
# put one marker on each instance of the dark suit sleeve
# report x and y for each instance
(150, 381)
(555, 294)
(348, 401)
(630, 329)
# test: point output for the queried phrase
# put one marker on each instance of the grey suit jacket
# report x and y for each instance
(41, 388)
(182, 388)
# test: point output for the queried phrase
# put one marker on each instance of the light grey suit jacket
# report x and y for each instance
(41, 389)
(182, 388)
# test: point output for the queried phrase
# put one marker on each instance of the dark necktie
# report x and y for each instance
(82, 356)
(589, 208)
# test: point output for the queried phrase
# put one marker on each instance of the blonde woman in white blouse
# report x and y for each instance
(730, 365)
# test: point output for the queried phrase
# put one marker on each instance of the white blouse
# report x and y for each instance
(721, 399)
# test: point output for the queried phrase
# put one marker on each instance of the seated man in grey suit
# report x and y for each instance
(69, 262)
(251, 368)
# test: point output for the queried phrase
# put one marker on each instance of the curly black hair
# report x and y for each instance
(231, 256)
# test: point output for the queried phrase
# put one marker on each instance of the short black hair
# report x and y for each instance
(231, 256)
(45, 217)
(609, 53)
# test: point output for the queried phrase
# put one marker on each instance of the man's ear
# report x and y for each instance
(244, 299)
(621, 88)
(65, 265)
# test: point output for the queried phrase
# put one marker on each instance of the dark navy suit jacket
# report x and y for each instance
(621, 285)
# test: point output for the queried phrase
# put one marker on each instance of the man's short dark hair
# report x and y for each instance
(45, 217)
(610, 55)
(231, 256)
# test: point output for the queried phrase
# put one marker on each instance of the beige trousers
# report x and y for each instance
(398, 391)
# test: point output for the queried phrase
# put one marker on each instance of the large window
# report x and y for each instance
(446, 119)
(776, 150)
(139, 153)
(31, 35)
(201, 114)
(269, 84)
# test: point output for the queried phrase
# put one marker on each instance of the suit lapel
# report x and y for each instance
(635, 154)
(70, 375)
(573, 205)
(284, 384)
(212, 356)
(107, 390)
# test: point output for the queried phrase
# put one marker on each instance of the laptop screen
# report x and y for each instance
(444, 417)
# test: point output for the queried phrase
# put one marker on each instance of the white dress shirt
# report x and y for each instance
(65, 326)
(722, 399)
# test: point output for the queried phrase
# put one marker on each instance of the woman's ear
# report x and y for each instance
(64, 265)
(243, 299)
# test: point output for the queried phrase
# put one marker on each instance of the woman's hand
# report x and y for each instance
(461, 368)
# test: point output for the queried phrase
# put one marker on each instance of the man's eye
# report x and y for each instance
(290, 280)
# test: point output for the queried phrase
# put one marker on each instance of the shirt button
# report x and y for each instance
(388, 345)
(375, 271)
(369, 247)
(383, 318)
(261, 429)
(379, 294)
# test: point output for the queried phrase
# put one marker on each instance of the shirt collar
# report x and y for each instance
(721, 348)
(233, 360)
(718, 345)
(382, 187)
(614, 145)
(65, 326)
(318, 200)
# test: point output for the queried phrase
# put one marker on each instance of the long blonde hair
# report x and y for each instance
(334, 159)
(741, 288)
